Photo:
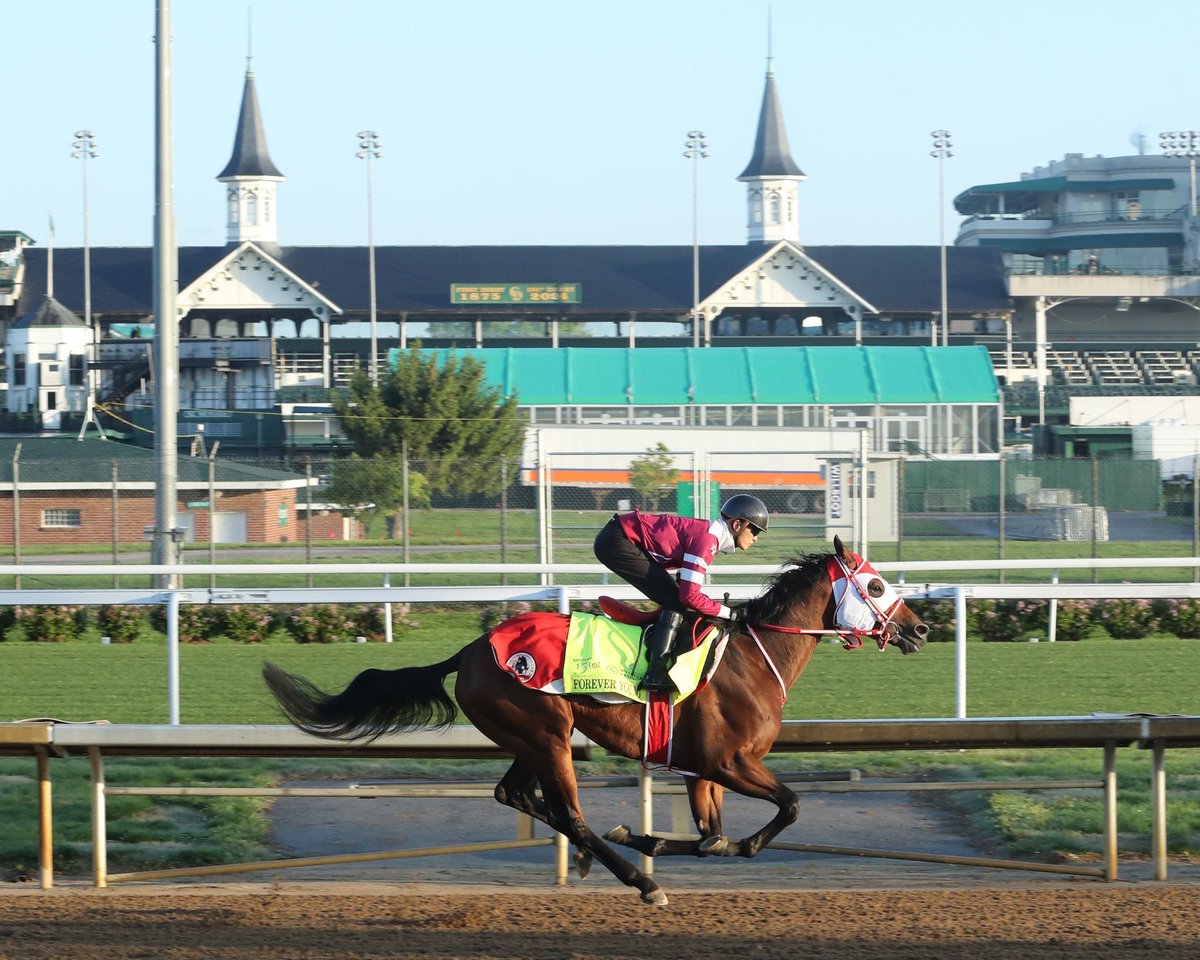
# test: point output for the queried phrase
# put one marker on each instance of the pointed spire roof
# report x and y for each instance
(250, 157)
(772, 158)
(48, 313)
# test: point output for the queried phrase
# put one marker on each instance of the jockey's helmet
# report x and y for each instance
(742, 506)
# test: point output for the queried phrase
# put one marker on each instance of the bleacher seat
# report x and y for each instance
(1114, 366)
(1066, 366)
(1164, 366)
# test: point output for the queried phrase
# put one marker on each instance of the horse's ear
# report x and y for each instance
(839, 548)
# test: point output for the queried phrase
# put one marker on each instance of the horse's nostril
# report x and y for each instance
(921, 631)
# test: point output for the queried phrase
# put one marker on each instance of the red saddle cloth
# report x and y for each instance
(531, 646)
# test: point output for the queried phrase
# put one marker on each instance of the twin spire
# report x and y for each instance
(771, 176)
(250, 197)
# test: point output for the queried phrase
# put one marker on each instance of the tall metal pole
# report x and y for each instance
(166, 332)
(85, 150)
(368, 142)
(696, 146)
(1186, 143)
(942, 148)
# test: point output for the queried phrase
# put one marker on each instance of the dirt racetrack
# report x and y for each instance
(251, 921)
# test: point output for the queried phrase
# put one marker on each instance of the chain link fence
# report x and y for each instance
(390, 510)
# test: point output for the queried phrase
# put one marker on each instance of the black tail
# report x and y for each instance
(376, 701)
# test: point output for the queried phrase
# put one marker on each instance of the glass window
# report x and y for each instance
(62, 517)
(988, 428)
(741, 415)
(233, 206)
(768, 415)
(252, 208)
(18, 369)
(75, 374)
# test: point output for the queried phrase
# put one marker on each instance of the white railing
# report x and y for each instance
(563, 594)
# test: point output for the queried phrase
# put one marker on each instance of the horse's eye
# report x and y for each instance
(875, 587)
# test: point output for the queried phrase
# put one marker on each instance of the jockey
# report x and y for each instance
(644, 548)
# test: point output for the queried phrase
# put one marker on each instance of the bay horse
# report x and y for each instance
(721, 732)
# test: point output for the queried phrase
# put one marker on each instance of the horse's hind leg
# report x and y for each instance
(562, 802)
(517, 788)
(705, 798)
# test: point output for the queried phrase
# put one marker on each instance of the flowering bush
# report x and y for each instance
(1006, 620)
(1074, 619)
(1181, 617)
(938, 616)
(321, 623)
(121, 623)
(197, 624)
(52, 624)
(1127, 618)
(247, 623)
(370, 621)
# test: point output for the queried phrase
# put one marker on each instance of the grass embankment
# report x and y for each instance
(220, 684)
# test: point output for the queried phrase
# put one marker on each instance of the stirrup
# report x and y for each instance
(661, 683)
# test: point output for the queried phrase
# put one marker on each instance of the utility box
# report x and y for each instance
(687, 504)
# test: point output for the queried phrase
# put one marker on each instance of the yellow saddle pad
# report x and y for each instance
(606, 657)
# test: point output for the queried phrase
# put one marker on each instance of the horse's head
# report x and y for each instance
(864, 601)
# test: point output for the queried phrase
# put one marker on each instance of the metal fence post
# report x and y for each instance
(173, 657)
(16, 507)
(116, 521)
(960, 653)
(308, 543)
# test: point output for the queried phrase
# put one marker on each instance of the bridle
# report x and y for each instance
(851, 637)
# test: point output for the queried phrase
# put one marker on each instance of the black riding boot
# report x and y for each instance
(662, 638)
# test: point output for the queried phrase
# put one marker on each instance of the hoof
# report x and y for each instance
(655, 897)
(583, 863)
(710, 846)
(619, 834)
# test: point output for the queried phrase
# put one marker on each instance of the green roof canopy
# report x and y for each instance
(669, 376)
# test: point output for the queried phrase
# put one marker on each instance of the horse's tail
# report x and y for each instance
(374, 703)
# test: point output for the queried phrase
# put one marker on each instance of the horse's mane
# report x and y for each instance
(791, 584)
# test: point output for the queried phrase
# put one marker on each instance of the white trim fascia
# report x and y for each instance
(797, 251)
(187, 292)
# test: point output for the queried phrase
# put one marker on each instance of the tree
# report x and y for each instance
(654, 475)
(363, 489)
(457, 429)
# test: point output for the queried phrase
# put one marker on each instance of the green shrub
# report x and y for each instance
(52, 623)
(121, 623)
(999, 621)
(321, 623)
(370, 621)
(1180, 617)
(197, 623)
(1127, 618)
(8, 618)
(938, 616)
(248, 623)
(1074, 620)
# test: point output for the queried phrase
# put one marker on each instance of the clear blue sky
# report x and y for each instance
(557, 121)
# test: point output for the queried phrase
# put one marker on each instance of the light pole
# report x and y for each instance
(1183, 143)
(369, 150)
(696, 147)
(942, 148)
(85, 150)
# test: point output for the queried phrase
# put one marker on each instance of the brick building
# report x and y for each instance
(57, 490)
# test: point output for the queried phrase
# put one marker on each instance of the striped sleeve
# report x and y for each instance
(692, 573)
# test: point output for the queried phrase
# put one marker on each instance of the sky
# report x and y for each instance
(564, 122)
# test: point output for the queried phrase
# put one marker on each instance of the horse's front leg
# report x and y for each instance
(745, 774)
(704, 798)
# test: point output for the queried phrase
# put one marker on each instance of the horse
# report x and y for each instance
(721, 733)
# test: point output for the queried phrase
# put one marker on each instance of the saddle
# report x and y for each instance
(600, 656)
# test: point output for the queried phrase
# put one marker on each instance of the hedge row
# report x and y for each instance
(243, 623)
(1015, 620)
